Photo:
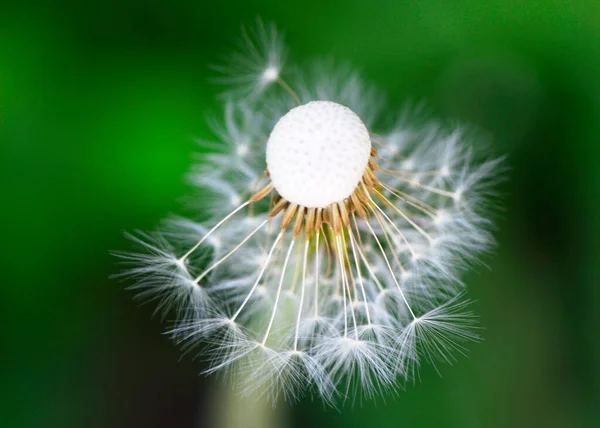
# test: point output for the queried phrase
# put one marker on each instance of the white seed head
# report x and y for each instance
(335, 310)
(317, 154)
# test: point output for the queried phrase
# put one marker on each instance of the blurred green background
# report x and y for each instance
(99, 105)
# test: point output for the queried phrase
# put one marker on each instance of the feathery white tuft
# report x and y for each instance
(329, 257)
(256, 64)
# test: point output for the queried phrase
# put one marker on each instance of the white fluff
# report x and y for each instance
(337, 316)
(317, 154)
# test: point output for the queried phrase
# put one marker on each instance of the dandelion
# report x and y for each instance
(329, 262)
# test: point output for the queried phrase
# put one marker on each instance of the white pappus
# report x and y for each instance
(329, 258)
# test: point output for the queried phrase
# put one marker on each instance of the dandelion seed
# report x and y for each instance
(331, 261)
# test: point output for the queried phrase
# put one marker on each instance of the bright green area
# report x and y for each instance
(99, 104)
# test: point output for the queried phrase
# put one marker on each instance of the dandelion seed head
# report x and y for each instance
(317, 154)
(328, 256)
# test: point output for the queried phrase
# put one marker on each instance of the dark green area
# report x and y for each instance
(99, 104)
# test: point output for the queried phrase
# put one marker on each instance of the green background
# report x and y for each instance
(99, 105)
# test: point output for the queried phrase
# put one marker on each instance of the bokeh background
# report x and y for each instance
(99, 106)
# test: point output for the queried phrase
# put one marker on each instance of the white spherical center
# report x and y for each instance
(318, 153)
